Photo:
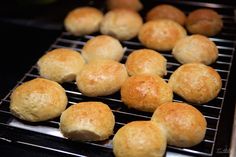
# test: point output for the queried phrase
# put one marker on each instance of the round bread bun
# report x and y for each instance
(83, 21)
(60, 65)
(185, 126)
(103, 47)
(145, 92)
(101, 78)
(165, 11)
(204, 21)
(131, 4)
(195, 48)
(87, 121)
(121, 23)
(196, 82)
(140, 139)
(161, 35)
(38, 100)
(146, 61)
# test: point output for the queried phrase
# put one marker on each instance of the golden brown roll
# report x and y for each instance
(146, 61)
(196, 82)
(195, 48)
(60, 65)
(145, 92)
(38, 100)
(166, 11)
(103, 47)
(101, 77)
(185, 126)
(121, 23)
(131, 4)
(204, 21)
(161, 35)
(140, 139)
(87, 121)
(83, 20)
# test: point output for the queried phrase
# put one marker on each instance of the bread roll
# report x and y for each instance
(87, 121)
(196, 83)
(185, 126)
(38, 100)
(161, 35)
(204, 21)
(83, 20)
(145, 92)
(131, 4)
(60, 65)
(121, 23)
(103, 47)
(166, 11)
(195, 48)
(146, 61)
(140, 139)
(101, 78)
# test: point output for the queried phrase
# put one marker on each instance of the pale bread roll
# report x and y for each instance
(38, 100)
(101, 78)
(121, 23)
(145, 92)
(204, 21)
(161, 35)
(195, 48)
(103, 47)
(60, 65)
(185, 126)
(87, 121)
(83, 21)
(196, 82)
(146, 61)
(140, 139)
(166, 11)
(131, 4)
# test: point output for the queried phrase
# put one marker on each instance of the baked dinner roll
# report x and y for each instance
(103, 47)
(166, 11)
(101, 78)
(83, 20)
(204, 21)
(146, 61)
(185, 126)
(145, 92)
(131, 4)
(60, 65)
(161, 35)
(140, 139)
(121, 23)
(87, 121)
(195, 48)
(196, 82)
(38, 100)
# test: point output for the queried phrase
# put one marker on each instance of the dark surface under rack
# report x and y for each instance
(218, 113)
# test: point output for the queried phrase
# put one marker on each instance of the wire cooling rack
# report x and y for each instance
(39, 134)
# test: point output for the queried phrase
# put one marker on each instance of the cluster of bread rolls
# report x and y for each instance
(88, 20)
(176, 124)
(97, 71)
(41, 99)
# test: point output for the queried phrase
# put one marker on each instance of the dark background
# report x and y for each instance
(27, 29)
